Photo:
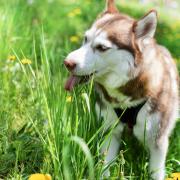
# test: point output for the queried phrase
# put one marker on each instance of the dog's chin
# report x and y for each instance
(75, 80)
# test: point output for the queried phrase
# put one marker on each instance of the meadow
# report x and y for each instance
(44, 129)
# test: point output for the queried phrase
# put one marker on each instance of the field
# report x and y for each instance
(44, 129)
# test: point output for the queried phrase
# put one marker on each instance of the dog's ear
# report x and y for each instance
(111, 7)
(146, 26)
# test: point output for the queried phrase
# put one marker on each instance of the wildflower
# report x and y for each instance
(77, 11)
(74, 39)
(40, 177)
(71, 14)
(174, 176)
(69, 99)
(11, 57)
(26, 61)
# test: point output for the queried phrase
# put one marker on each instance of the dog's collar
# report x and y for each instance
(129, 115)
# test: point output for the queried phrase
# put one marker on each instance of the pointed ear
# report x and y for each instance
(146, 27)
(111, 7)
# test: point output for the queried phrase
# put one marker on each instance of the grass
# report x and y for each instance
(42, 127)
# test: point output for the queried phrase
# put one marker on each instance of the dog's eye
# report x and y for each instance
(101, 48)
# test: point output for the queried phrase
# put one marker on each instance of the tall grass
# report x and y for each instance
(42, 127)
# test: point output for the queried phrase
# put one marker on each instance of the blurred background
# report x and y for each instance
(42, 127)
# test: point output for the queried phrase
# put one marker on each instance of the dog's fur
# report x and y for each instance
(129, 68)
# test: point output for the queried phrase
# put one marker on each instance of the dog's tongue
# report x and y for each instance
(71, 82)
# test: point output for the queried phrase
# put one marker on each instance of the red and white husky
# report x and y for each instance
(132, 73)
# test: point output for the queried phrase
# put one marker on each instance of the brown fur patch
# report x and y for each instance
(111, 8)
(119, 29)
(136, 88)
(145, 31)
(137, 52)
(120, 33)
(117, 41)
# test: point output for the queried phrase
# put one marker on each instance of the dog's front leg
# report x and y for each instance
(111, 147)
(111, 144)
(147, 131)
(158, 153)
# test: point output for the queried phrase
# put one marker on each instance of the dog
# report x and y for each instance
(136, 79)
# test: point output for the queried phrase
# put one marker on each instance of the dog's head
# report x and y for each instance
(111, 48)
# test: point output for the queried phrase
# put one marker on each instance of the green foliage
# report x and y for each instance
(41, 128)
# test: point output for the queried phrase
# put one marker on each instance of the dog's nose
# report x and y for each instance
(70, 65)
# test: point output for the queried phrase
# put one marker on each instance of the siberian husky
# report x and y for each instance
(137, 81)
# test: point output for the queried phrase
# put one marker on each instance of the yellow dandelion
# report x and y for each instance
(74, 12)
(26, 61)
(69, 99)
(71, 14)
(74, 39)
(40, 177)
(11, 57)
(176, 175)
(77, 11)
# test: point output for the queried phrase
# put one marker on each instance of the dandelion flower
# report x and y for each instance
(40, 177)
(69, 99)
(77, 11)
(71, 14)
(11, 57)
(26, 61)
(174, 176)
(74, 39)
